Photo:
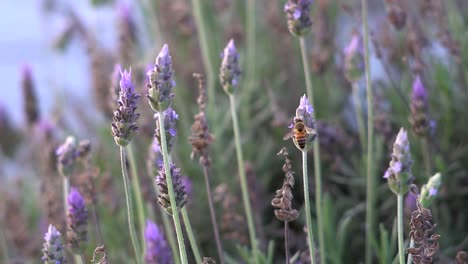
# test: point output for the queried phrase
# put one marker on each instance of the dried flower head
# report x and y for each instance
(124, 122)
(157, 250)
(66, 156)
(423, 233)
(298, 16)
(208, 261)
(103, 259)
(53, 248)
(230, 72)
(303, 133)
(163, 191)
(77, 220)
(201, 137)
(283, 197)
(161, 82)
(399, 174)
(354, 59)
(170, 117)
(30, 104)
(429, 191)
(461, 258)
(420, 121)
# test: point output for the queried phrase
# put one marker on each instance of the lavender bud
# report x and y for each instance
(298, 16)
(123, 123)
(53, 248)
(170, 117)
(303, 126)
(157, 250)
(230, 71)
(77, 220)
(163, 191)
(420, 121)
(429, 191)
(30, 104)
(399, 174)
(354, 59)
(66, 156)
(161, 82)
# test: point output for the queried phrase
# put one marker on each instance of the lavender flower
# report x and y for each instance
(399, 174)
(77, 220)
(123, 123)
(179, 189)
(298, 16)
(354, 59)
(303, 123)
(430, 190)
(161, 82)
(230, 71)
(170, 117)
(157, 250)
(420, 121)
(66, 156)
(30, 104)
(53, 248)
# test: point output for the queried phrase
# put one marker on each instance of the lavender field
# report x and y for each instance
(255, 131)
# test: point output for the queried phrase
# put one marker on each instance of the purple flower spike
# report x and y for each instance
(179, 189)
(161, 82)
(66, 156)
(77, 220)
(157, 250)
(170, 117)
(124, 122)
(422, 124)
(399, 174)
(230, 71)
(298, 16)
(304, 111)
(354, 59)
(53, 247)
(419, 91)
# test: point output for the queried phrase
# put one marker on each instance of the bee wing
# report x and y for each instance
(288, 136)
(310, 131)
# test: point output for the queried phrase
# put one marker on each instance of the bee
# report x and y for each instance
(300, 133)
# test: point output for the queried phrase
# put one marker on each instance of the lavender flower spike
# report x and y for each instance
(77, 221)
(157, 250)
(53, 248)
(170, 117)
(429, 191)
(354, 59)
(230, 70)
(124, 122)
(179, 189)
(66, 156)
(420, 121)
(298, 16)
(161, 82)
(399, 174)
(304, 124)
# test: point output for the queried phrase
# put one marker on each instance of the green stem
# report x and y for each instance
(79, 259)
(317, 165)
(310, 236)
(401, 244)
(170, 188)
(128, 198)
(243, 179)
(138, 196)
(170, 234)
(359, 116)
(66, 188)
(213, 216)
(205, 48)
(251, 62)
(191, 236)
(370, 205)
(286, 244)
(410, 258)
(426, 156)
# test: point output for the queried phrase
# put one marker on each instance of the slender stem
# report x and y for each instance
(66, 188)
(128, 198)
(359, 115)
(370, 205)
(243, 179)
(170, 235)
(317, 165)
(191, 236)
(213, 215)
(410, 257)
(426, 156)
(205, 47)
(79, 259)
(286, 242)
(138, 196)
(310, 236)
(401, 244)
(251, 62)
(170, 188)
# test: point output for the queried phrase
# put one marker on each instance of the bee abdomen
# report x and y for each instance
(301, 141)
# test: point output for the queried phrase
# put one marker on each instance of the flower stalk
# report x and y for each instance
(401, 243)
(191, 236)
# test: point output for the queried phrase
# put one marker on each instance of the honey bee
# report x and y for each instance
(300, 133)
